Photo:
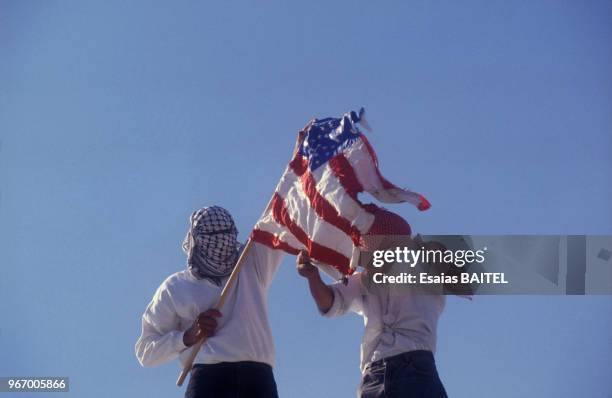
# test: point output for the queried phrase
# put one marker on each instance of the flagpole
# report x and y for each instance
(233, 276)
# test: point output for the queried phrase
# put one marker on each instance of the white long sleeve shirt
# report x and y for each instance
(394, 323)
(243, 332)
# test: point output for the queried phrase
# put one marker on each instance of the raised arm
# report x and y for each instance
(322, 294)
(336, 299)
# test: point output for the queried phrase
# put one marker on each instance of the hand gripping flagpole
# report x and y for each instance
(231, 280)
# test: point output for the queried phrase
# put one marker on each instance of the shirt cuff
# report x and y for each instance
(334, 310)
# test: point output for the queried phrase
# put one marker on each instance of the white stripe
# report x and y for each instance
(365, 169)
(300, 211)
(317, 228)
(267, 224)
(331, 189)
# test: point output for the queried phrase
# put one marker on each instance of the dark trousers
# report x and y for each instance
(232, 380)
(409, 375)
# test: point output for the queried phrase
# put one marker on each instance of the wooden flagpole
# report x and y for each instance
(233, 276)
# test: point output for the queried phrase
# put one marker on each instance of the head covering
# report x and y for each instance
(386, 228)
(388, 223)
(211, 244)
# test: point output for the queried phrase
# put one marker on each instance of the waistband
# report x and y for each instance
(403, 357)
(229, 365)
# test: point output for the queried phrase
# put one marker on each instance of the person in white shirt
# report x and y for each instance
(399, 342)
(237, 358)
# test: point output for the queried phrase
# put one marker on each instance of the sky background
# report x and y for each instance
(118, 119)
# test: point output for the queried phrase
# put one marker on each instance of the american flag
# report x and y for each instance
(315, 206)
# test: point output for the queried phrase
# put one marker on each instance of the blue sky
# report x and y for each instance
(118, 119)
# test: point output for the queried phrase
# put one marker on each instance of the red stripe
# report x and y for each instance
(385, 183)
(345, 173)
(299, 164)
(321, 206)
(343, 170)
(315, 250)
(423, 203)
(272, 241)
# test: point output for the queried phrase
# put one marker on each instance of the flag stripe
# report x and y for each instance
(329, 186)
(267, 224)
(417, 199)
(364, 168)
(302, 214)
(321, 206)
(272, 241)
(317, 251)
(362, 158)
(385, 183)
(346, 175)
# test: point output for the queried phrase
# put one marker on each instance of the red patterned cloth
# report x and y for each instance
(388, 223)
(385, 223)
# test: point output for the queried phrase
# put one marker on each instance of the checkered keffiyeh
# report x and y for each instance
(211, 244)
